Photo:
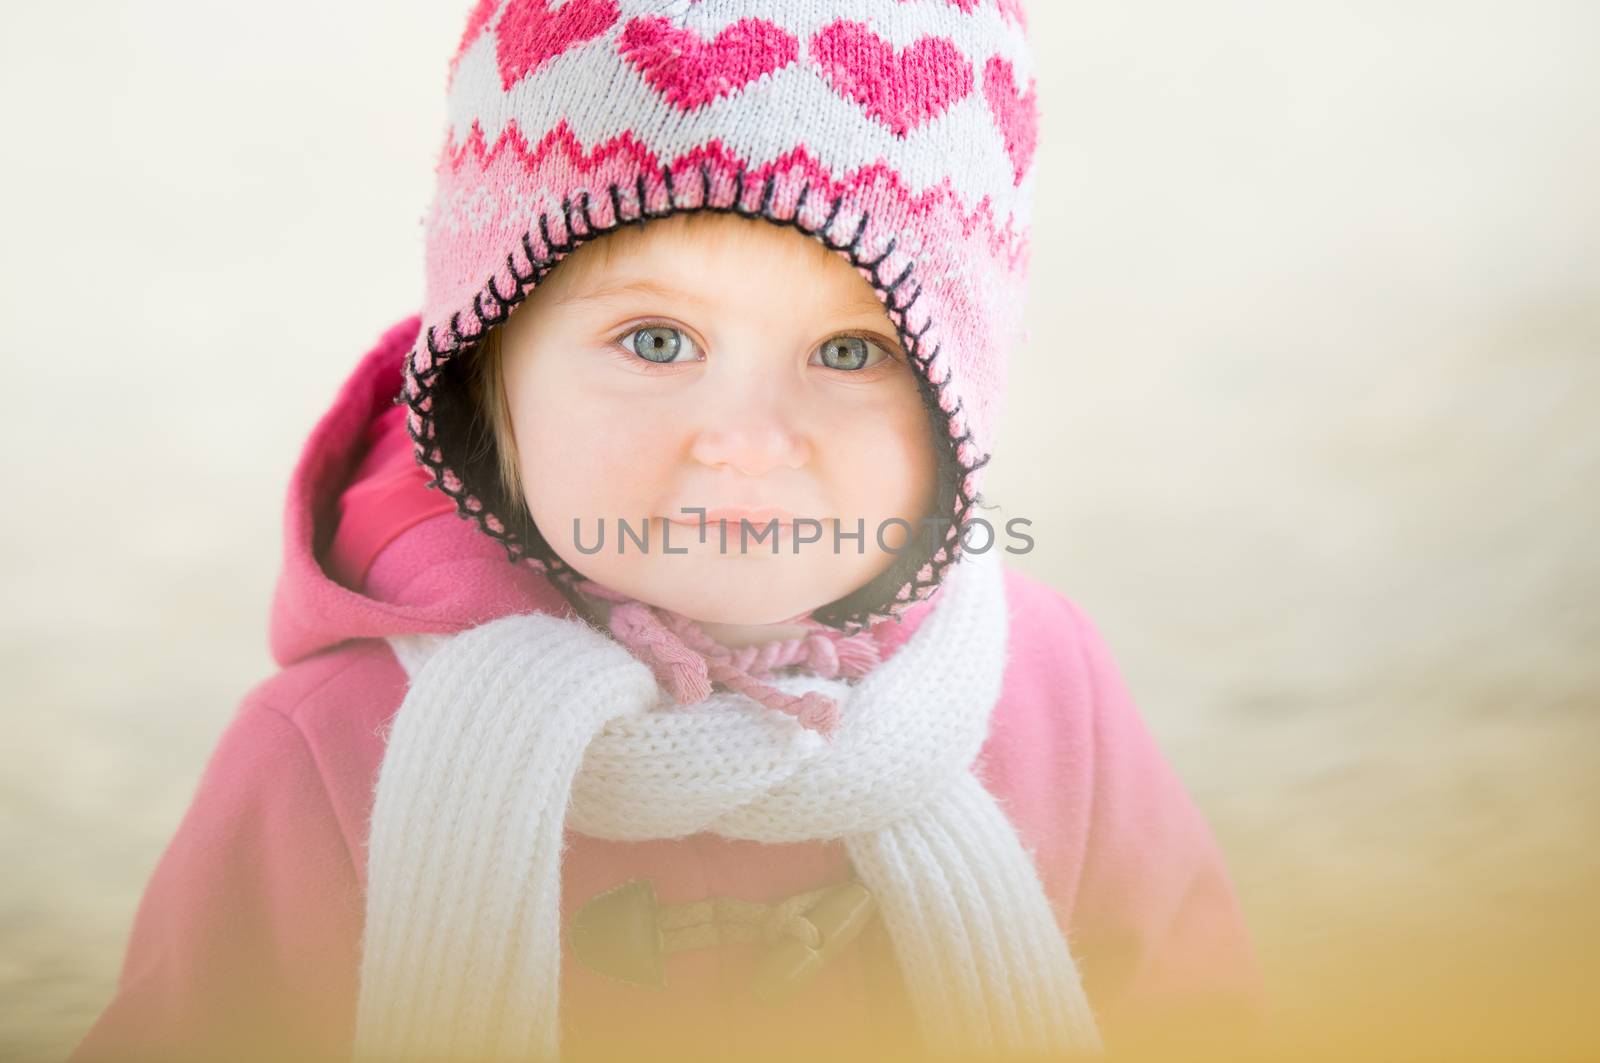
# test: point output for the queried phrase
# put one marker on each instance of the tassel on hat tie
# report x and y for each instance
(687, 661)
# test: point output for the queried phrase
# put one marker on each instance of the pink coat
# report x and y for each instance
(248, 933)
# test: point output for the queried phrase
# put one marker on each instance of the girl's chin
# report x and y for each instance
(708, 591)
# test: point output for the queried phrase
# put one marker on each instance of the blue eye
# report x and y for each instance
(657, 343)
(849, 353)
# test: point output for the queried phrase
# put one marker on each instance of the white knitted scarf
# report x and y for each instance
(514, 730)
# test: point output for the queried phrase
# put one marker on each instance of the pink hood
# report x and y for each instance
(249, 931)
(356, 495)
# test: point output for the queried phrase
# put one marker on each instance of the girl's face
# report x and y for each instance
(718, 362)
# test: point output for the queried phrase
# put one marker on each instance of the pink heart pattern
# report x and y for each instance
(901, 90)
(530, 34)
(1012, 9)
(692, 72)
(1016, 116)
(476, 20)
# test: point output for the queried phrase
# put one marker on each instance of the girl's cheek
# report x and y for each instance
(597, 462)
(876, 418)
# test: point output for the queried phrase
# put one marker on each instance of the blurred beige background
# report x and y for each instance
(1306, 423)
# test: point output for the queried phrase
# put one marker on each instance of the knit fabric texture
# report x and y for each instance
(900, 133)
(514, 729)
(687, 660)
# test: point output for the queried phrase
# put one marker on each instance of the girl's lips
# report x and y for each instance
(746, 533)
(760, 517)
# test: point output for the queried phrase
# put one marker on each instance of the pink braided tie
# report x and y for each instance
(687, 661)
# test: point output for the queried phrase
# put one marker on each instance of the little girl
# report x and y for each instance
(755, 749)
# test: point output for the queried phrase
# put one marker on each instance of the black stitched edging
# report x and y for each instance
(898, 584)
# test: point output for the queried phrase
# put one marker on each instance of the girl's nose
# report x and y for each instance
(752, 441)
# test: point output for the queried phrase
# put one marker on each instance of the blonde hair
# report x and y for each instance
(489, 394)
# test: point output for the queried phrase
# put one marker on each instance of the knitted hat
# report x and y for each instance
(900, 133)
